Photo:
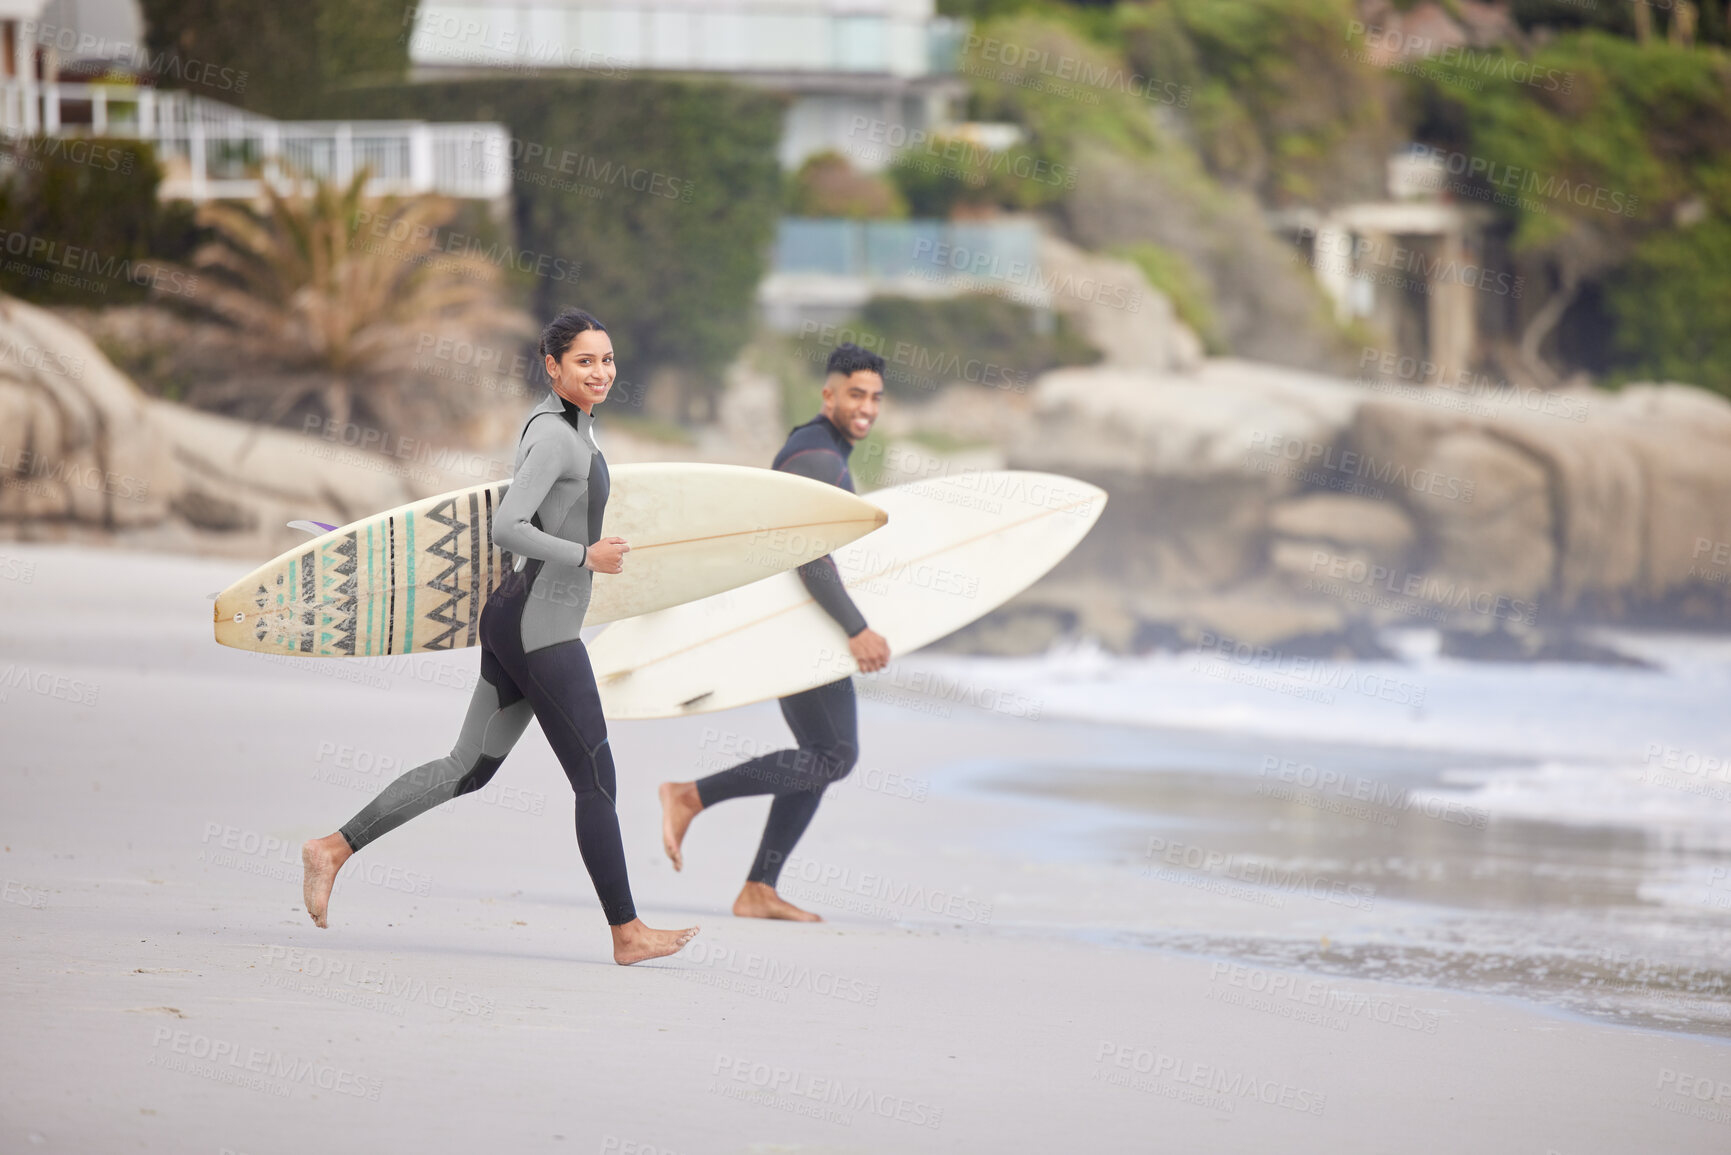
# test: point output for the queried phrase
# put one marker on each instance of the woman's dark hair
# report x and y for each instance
(563, 329)
(848, 359)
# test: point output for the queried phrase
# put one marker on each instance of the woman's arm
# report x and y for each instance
(543, 464)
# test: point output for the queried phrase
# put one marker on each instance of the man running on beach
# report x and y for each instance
(823, 720)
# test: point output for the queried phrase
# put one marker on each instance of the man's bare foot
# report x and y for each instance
(758, 900)
(679, 805)
(321, 858)
(633, 942)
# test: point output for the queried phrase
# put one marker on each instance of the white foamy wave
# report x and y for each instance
(1687, 810)
(1539, 710)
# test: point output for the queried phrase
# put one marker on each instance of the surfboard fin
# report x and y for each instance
(315, 528)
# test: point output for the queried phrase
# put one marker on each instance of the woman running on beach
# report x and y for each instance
(532, 661)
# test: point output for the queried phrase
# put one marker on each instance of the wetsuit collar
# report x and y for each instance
(579, 420)
(843, 444)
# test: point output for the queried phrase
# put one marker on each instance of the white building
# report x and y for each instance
(841, 61)
(209, 149)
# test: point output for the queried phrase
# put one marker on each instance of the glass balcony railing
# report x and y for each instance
(725, 36)
(897, 250)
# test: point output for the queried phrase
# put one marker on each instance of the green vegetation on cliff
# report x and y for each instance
(1621, 183)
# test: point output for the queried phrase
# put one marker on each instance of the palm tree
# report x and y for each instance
(342, 284)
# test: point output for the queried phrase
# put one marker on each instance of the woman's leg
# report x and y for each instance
(498, 713)
(560, 682)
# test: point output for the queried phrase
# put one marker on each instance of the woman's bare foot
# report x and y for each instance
(679, 805)
(321, 858)
(633, 942)
(758, 900)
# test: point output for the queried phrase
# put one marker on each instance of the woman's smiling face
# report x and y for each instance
(585, 373)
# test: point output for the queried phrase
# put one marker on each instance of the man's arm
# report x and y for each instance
(822, 579)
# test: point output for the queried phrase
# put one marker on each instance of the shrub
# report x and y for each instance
(81, 221)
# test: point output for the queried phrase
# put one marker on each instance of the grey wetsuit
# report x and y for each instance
(532, 661)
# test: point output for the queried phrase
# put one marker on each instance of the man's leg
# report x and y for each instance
(824, 723)
(498, 714)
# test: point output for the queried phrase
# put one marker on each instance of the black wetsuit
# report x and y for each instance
(532, 661)
(823, 720)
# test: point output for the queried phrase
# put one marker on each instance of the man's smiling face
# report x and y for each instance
(851, 402)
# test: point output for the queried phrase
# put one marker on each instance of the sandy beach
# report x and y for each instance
(1043, 934)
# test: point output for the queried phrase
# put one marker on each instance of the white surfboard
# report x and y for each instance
(955, 549)
(415, 578)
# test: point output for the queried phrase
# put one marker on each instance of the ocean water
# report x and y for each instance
(1586, 744)
(1555, 832)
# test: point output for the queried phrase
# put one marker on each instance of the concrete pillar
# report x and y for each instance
(422, 176)
(343, 154)
(195, 156)
(1452, 329)
(50, 91)
(1331, 258)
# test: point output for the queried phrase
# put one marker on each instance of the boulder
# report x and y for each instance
(1488, 521)
(1600, 515)
(77, 441)
(1230, 418)
(84, 452)
(1381, 529)
(1143, 334)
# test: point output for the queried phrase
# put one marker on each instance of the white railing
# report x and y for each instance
(209, 150)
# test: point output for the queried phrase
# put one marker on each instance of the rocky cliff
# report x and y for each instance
(1281, 508)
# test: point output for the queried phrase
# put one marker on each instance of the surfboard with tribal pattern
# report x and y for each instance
(409, 580)
(415, 578)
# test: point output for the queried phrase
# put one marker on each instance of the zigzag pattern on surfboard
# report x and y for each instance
(309, 610)
(261, 601)
(447, 582)
(343, 610)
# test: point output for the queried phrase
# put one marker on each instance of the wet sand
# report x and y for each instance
(1005, 966)
(1363, 861)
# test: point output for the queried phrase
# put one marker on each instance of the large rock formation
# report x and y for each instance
(75, 435)
(1287, 509)
(84, 455)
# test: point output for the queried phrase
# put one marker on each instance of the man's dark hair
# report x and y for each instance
(848, 359)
